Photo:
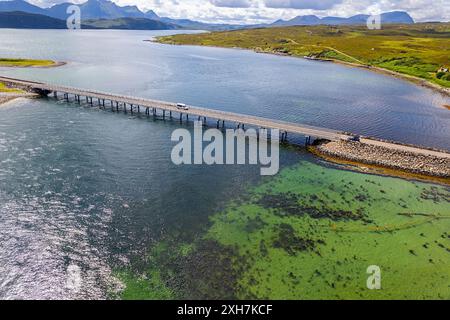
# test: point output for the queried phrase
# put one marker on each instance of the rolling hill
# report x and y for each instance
(24, 20)
(129, 24)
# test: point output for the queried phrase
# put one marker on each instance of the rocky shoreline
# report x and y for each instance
(428, 165)
(6, 97)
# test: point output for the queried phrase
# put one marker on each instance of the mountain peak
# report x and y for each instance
(387, 17)
(150, 14)
(397, 17)
(20, 5)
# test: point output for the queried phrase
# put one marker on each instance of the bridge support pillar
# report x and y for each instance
(307, 141)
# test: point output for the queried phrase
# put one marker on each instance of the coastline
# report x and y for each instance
(8, 97)
(416, 80)
(384, 161)
(54, 65)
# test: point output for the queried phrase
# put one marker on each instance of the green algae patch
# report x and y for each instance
(147, 283)
(148, 286)
(310, 233)
(202, 270)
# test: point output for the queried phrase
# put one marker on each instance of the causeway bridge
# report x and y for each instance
(129, 104)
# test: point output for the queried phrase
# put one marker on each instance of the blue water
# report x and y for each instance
(292, 89)
(94, 189)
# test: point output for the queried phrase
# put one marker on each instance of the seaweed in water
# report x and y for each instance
(287, 240)
(211, 271)
(289, 204)
(254, 224)
(263, 248)
(436, 195)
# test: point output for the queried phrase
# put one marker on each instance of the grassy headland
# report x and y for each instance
(22, 63)
(8, 94)
(418, 50)
(5, 89)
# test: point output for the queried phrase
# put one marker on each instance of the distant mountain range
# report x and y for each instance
(24, 20)
(98, 9)
(108, 10)
(108, 15)
(388, 18)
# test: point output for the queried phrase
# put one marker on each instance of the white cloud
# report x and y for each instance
(257, 11)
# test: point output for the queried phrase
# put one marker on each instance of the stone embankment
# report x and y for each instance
(19, 92)
(5, 97)
(434, 165)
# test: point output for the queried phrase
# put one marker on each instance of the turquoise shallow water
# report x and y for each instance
(96, 190)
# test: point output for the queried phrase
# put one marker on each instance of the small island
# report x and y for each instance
(28, 63)
(8, 92)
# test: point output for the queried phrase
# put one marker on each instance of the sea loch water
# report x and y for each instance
(91, 191)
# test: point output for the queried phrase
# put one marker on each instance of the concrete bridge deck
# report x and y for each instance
(134, 103)
(240, 119)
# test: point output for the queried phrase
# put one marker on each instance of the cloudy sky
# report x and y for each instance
(258, 11)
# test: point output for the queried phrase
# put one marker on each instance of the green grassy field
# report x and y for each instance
(418, 50)
(8, 62)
